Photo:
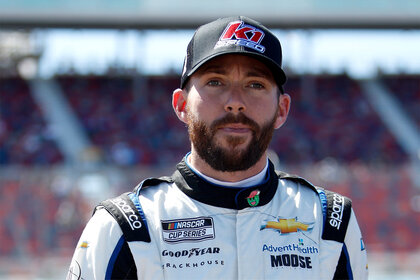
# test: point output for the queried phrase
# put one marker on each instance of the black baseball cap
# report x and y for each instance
(234, 35)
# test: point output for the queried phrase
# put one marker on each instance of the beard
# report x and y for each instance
(232, 158)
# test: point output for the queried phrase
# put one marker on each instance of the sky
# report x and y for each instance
(358, 52)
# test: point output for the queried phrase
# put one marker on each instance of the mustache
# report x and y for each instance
(232, 119)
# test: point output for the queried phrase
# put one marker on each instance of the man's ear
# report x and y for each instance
(283, 112)
(179, 102)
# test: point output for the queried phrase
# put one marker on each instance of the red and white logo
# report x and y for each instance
(239, 33)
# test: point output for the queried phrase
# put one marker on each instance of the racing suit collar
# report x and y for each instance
(202, 190)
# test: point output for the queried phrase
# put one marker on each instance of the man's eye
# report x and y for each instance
(214, 83)
(256, 86)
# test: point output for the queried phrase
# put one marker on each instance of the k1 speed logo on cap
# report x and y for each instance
(238, 33)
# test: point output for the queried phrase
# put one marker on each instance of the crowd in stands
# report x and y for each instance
(406, 89)
(385, 200)
(37, 219)
(131, 122)
(25, 139)
(331, 118)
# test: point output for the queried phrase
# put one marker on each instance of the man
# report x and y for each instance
(225, 213)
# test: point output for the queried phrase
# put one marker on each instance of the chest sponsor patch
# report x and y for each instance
(188, 230)
(285, 226)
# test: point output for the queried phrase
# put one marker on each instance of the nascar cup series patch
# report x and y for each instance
(188, 230)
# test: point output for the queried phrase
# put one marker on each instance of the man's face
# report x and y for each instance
(229, 157)
(232, 111)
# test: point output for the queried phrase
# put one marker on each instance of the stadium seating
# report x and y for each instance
(406, 89)
(37, 220)
(129, 123)
(38, 216)
(331, 118)
(130, 127)
(25, 139)
(132, 123)
(382, 199)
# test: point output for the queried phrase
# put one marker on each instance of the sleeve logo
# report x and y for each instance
(336, 216)
(128, 213)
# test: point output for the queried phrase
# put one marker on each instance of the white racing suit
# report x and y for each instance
(184, 227)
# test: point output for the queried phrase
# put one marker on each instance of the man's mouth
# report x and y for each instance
(235, 128)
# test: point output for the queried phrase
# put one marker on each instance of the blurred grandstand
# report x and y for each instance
(336, 138)
(70, 141)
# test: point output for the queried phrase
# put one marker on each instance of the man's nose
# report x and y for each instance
(235, 102)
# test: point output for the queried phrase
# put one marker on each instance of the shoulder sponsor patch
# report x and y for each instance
(130, 218)
(188, 230)
(338, 213)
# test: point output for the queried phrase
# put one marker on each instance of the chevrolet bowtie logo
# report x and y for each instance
(287, 225)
